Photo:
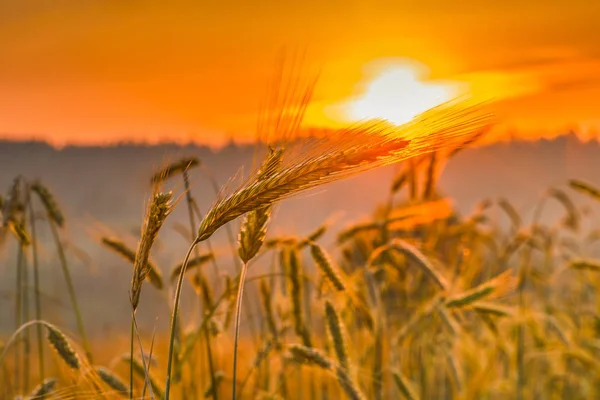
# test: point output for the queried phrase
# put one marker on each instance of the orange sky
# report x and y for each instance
(86, 71)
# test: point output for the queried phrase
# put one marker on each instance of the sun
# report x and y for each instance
(397, 93)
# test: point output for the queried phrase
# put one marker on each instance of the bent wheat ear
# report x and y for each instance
(61, 344)
(12, 206)
(158, 210)
(421, 261)
(154, 275)
(572, 219)
(310, 355)
(195, 262)
(49, 202)
(590, 265)
(345, 153)
(112, 380)
(585, 187)
(175, 168)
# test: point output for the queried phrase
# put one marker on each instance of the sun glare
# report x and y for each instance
(397, 94)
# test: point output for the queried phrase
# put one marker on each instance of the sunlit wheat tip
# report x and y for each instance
(344, 154)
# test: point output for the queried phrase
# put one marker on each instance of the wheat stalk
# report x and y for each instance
(343, 154)
(158, 210)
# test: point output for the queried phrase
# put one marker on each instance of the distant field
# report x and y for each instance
(423, 297)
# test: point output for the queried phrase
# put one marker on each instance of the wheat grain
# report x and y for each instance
(158, 210)
(61, 344)
(346, 153)
(327, 267)
(112, 380)
(43, 389)
(337, 332)
(49, 202)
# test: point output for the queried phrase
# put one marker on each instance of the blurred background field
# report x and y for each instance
(466, 278)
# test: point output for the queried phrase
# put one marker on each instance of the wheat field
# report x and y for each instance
(418, 302)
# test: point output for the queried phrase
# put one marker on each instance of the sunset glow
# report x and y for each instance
(398, 94)
(73, 72)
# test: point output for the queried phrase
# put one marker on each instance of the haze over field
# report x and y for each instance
(104, 189)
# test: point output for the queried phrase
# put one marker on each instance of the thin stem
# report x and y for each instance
(71, 289)
(174, 317)
(25, 309)
(247, 306)
(16, 334)
(190, 203)
(147, 382)
(238, 314)
(131, 359)
(18, 315)
(36, 286)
